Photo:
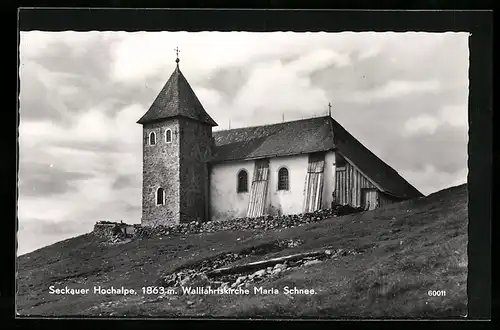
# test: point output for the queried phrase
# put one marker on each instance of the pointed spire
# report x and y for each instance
(329, 109)
(176, 98)
(177, 51)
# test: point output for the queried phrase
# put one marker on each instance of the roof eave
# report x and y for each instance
(143, 121)
(269, 156)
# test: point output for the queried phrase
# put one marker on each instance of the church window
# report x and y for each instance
(152, 138)
(283, 179)
(160, 196)
(242, 181)
(168, 136)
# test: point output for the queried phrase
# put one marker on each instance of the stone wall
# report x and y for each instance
(114, 230)
(195, 151)
(261, 223)
(161, 169)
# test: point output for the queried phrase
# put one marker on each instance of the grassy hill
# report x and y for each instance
(401, 252)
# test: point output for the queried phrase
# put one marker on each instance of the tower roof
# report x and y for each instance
(176, 98)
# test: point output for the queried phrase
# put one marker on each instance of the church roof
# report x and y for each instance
(307, 136)
(176, 98)
(288, 138)
(384, 176)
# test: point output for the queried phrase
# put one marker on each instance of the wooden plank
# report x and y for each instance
(258, 191)
(355, 189)
(258, 200)
(366, 199)
(262, 264)
(344, 197)
(306, 190)
(346, 186)
(314, 183)
(338, 195)
(319, 193)
(341, 187)
(349, 189)
(358, 189)
(373, 198)
(314, 191)
(370, 198)
(311, 192)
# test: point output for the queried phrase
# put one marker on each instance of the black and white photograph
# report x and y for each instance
(243, 174)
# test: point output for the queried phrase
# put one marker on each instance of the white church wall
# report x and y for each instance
(291, 201)
(225, 202)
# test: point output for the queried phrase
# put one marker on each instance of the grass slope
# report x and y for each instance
(407, 249)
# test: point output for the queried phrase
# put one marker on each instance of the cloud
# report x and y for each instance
(91, 126)
(318, 60)
(394, 89)
(452, 115)
(290, 92)
(226, 81)
(445, 150)
(368, 53)
(421, 123)
(37, 99)
(41, 180)
(125, 181)
(140, 55)
(430, 179)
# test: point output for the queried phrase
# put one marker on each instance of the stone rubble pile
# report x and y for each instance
(107, 231)
(261, 223)
(113, 232)
(184, 276)
(197, 276)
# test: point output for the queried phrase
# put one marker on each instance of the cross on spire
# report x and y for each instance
(177, 51)
(329, 109)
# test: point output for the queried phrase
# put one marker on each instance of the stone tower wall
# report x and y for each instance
(161, 168)
(195, 151)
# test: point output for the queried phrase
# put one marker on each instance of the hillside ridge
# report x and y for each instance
(374, 264)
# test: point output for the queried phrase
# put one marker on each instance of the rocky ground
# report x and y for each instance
(205, 274)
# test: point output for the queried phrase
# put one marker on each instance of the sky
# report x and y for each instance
(403, 95)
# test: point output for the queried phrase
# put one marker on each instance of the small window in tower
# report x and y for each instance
(152, 138)
(160, 196)
(283, 179)
(242, 181)
(168, 136)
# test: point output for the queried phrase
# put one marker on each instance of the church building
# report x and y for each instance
(191, 173)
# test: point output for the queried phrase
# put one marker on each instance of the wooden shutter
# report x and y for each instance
(258, 191)
(314, 183)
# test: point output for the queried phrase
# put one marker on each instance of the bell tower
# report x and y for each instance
(177, 142)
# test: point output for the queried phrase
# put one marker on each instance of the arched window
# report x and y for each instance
(242, 181)
(160, 196)
(152, 138)
(168, 136)
(283, 179)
